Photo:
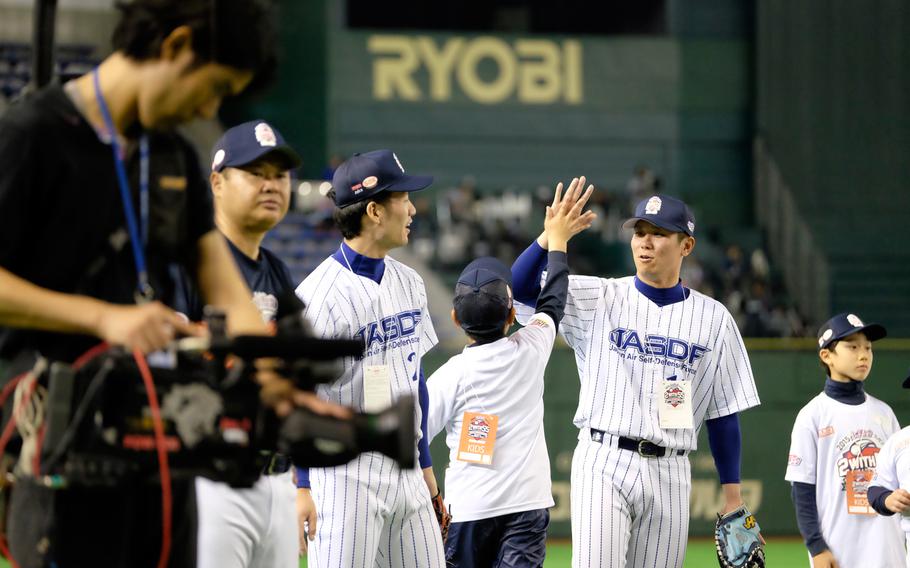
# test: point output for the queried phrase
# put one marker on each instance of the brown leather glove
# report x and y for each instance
(442, 515)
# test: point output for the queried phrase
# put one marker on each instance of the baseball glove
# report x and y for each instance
(737, 539)
(442, 516)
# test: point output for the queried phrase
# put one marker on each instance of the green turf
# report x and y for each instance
(781, 553)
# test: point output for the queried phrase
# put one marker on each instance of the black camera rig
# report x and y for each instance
(100, 425)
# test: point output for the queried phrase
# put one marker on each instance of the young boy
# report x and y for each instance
(489, 399)
(833, 455)
(893, 471)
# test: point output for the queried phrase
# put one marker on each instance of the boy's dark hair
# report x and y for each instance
(349, 220)
(216, 25)
(482, 313)
(824, 365)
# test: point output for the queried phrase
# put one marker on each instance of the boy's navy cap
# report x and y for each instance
(482, 297)
(484, 270)
(842, 325)
(247, 142)
(665, 212)
(364, 175)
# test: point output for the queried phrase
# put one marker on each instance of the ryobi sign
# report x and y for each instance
(421, 68)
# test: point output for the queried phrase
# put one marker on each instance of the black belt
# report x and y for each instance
(643, 448)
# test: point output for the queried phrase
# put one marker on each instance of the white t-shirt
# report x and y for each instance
(893, 467)
(830, 440)
(626, 346)
(504, 378)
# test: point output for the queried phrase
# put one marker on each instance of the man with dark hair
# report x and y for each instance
(144, 25)
(656, 361)
(98, 198)
(360, 291)
(251, 185)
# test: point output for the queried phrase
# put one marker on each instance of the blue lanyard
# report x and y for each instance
(138, 231)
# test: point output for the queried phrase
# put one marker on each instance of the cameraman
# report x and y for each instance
(98, 197)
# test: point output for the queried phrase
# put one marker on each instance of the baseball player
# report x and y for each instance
(371, 513)
(834, 450)
(489, 400)
(887, 494)
(251, 185)
(656, 360)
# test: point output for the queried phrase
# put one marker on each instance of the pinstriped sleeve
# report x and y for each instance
(585, 294)
(329, 317)
(428, 338)
(734, 386)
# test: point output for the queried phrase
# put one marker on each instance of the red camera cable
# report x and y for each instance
(163, 468)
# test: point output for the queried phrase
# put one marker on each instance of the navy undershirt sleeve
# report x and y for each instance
(726, 446)
(526, 271)
(423, 446)
(552, 299)
(303, 478)
(803, 495)
(876, 496)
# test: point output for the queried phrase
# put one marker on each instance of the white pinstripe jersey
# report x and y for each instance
(392, 318)
(626, 345)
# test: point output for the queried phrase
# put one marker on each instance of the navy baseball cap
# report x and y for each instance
(665, 212)
(483, 297)
(247, 142)
(364, 175)
(842, 325)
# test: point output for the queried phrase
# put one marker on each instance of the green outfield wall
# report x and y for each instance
(519, 111)
(833, 112)
(787, 375)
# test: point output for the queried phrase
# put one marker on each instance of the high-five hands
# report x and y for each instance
(564, 217)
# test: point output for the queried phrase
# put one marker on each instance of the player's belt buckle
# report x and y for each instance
(647, 449)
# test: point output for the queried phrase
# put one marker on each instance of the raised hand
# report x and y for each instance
(564, 217)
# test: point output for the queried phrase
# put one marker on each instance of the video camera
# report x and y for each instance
(100, 431)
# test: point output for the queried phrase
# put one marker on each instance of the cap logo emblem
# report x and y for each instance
(397, 161)
(218, 159)
(652, 207)
(691, 226)
(357, 188)
(370, 182)
(854, 321)
(825, 337)
(265, 135)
